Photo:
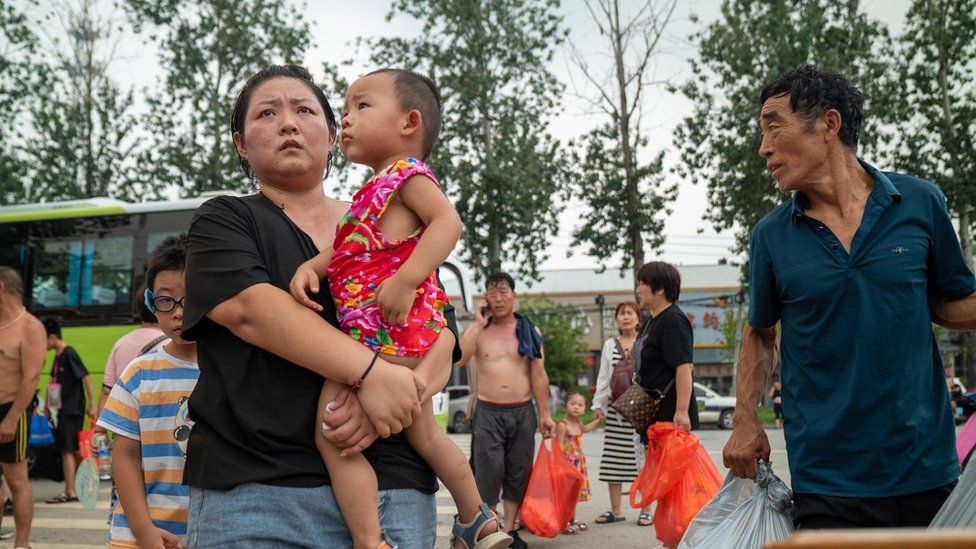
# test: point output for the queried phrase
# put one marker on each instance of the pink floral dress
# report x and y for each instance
(363, 258)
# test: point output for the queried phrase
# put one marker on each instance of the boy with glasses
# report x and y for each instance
(147, 412)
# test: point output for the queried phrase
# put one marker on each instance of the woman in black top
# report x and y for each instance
(665, 345)
(255, 474)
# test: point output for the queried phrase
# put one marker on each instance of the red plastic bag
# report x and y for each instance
(668, 451)
(551, 496)
(699, 485)
(679, 474)
(85, 443)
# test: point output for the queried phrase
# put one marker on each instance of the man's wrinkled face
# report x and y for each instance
(792, 148)
(501, 298)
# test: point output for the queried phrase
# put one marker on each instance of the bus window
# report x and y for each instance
(106, 279)
(83, 272)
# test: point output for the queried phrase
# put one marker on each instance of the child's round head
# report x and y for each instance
(386, 99)
(575, 404)
(165, 285)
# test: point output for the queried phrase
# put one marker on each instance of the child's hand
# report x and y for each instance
(159, 539)
(304, 281)
(394, 299)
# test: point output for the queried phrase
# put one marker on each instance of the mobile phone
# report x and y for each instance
(484, 311)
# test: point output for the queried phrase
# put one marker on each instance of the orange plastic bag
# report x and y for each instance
(668, 449)
(679, 474)
(85, 443)
(698, 485)
(551, 496)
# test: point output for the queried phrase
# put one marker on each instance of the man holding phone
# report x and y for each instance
(511, 370)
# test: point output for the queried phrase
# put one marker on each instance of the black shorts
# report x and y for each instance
(812, 511)
(66, 433)
(778, 411)
(15, 451)
(504, 447)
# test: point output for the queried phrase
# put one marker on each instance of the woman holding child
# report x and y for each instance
(255, 473)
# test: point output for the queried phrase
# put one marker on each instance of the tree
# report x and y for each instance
(83, 131)
(752, 42)
(625, 198)
(937, 138)
(18, 44)
(494, 155)
(209, 48)
(562, 330)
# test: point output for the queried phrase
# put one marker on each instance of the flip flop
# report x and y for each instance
(61, 498)
(645, 517)
(609, 518)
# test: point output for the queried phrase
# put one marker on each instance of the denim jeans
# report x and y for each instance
(259, 516)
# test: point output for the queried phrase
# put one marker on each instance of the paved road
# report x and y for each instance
(70, 526)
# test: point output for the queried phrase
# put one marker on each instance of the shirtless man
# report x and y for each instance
(22, 348)
(510, 372)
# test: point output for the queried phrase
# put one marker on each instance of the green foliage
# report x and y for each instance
(209, 48)
(494, 155)
(82, 141)
(562, 330)
(622, 215)
(17, 83)
(751, 43)
(937, 138)
(626, 200)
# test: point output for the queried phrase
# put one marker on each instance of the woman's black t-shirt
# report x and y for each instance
(255, 412)
(668, 343)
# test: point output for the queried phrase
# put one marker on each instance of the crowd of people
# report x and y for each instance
(295, 341)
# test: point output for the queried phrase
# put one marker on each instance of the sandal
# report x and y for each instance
(645, 519)
(581, 526)
(468, 533)
(571, 530)
(609, 518)
(61, 498)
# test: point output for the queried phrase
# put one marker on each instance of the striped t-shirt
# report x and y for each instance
(143, 406)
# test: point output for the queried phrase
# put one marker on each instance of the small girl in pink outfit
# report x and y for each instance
(399, 228)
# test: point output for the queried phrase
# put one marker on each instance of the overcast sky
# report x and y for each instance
(337, 23)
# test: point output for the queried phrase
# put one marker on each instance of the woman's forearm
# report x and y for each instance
(683, 386)
(269, 318)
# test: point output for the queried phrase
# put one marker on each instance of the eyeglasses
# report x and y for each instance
(165, 303)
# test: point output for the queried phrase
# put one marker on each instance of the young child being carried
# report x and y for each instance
(147, 412)
(399, 228)
(569, 434)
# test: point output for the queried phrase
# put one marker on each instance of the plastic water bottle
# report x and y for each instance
(104, 457)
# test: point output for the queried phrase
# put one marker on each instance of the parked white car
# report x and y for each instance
(713, 407)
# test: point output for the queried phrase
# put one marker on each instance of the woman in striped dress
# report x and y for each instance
(618, 464)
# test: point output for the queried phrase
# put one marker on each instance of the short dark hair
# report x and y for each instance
(814, 91)
(139, 303)
(169, 255)
(52, 327)
(416, 91)
(243, 101)
(495, 279)
(659, 275)
(12, 281)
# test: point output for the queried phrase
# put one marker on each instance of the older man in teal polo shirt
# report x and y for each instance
(854, 268)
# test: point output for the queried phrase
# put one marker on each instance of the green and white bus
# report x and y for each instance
(83, 262)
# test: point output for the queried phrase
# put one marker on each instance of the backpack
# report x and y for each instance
(623, 372)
